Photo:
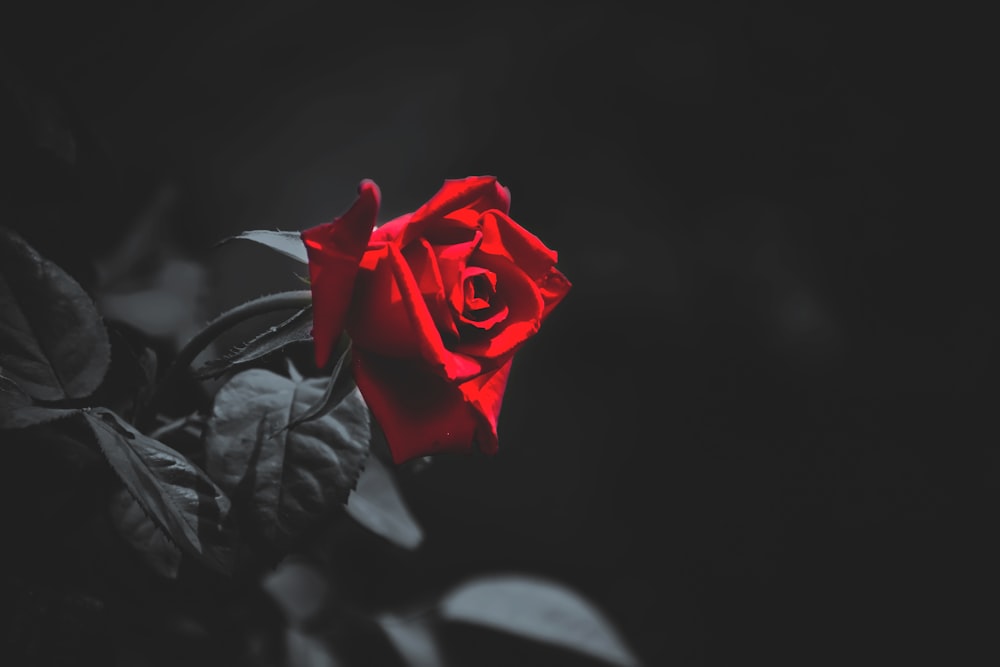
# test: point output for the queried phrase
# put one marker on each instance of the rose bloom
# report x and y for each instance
(436, 302)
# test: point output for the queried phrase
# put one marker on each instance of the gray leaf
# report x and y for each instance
(539, 609)
(175, 494)
(53, 343)
(287, 243)
(290, 477)
(378, 505)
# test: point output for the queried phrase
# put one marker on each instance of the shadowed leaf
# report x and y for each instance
(11, 398)
(338, 387)
(295, 329)
(132, 373)
(31, 415)
(141, 532)
(52, 341)
(290, 477)
(172, 491)
(539, 609)
(18, 411)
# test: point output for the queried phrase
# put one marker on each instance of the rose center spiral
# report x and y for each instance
(482, 307)
(480, 288)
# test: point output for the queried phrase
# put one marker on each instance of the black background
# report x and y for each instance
(753, 429)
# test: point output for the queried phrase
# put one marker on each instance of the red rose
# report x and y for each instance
(436, 303)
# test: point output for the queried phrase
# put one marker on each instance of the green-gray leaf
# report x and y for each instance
(297, 328)
(287, 243)
(538, 609)
(176, 494)
(53, 343)
(378, 505)
(290, 478)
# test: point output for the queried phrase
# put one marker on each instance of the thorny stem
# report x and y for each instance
(259, 306)
(172, 425)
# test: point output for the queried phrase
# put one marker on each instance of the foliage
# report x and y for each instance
(150, 535)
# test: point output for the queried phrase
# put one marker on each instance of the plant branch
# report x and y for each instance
(169, 427)
(186, 356)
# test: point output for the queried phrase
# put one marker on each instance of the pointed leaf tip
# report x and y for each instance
(338, 387)
(287, 243)
(377, 504)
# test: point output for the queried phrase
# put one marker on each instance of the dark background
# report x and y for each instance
(755, 428)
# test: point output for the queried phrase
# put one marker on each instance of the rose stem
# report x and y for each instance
(259, 306)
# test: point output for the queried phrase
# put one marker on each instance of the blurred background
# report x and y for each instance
(756, 427)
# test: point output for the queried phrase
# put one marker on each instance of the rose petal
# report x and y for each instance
(473, 278)
(390, 231)
(460, 296)
(478, 193)
(424, 265)
(485, 395)
(334, 250)
(423, 414)
(452, 261)
(420, 413)
(554, 286)
(393, 319)
(524, 301)
(487, 323)
(481, 312)
(380, 321)
(504, 237)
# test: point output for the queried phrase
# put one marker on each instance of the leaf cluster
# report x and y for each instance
(243, 531)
